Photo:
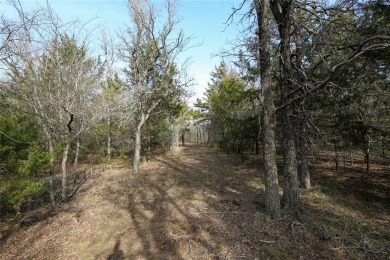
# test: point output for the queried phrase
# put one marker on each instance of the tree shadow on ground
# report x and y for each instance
(350, 190)
(117, 253)
(202, 204)
(38, 208)
(191, 205)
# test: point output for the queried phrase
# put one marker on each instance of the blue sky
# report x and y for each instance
(203, 20)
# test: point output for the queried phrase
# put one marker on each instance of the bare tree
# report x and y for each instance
(52, 77)
(150, 48)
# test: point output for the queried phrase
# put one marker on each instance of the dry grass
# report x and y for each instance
(201, 204)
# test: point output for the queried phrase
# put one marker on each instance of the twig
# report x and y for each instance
(9, 137)
(292, 228)
(217, 212)
(228, 253)
(266, 241)
(189, 246)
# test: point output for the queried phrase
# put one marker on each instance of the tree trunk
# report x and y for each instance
(367, 152)
(303, 166)
(302, 138)
(336, 154)
(137, 150)
(283, 17)
(176, 137)
(51, 185)
(272, 200)
(182, 139)
(137, 144)
(76, 156)
(64, 172)
(383, 151)
(350, 155)
(242, 150)
(109, 139)
(290, 194)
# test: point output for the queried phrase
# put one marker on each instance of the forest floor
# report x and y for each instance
(199, 203)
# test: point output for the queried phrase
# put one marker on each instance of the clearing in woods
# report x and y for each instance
(199, 203)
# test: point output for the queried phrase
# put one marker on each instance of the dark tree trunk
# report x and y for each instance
(367, 152)
(242, 150)
(303, 169)
(336, 153)
(272, 200)
(350, 155)
(282, 12)
(290, 194)
(383, 151)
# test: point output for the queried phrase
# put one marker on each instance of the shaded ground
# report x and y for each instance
(201, 204)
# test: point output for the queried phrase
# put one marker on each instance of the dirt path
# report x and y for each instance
(201, 204)
(190, 205)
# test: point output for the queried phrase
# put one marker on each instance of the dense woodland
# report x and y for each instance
(303, 77)
(323, 72)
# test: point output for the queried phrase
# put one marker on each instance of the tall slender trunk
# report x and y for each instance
(290, 194)
(283, 17)
(336, 153)
(350, 155)
(272, 203)
(137, 150)
(176, 137)
(302, 137)
(76, 156)
(367, 152)
(383, 151)
(65, 155)
(64, 172)
(51, 176)
(137, 142)
(303, 166)
(109, 139)
(242, 149)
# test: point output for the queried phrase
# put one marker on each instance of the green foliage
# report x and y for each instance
(17, 133)
(36, 163)
(26, 180)
(23, 162)
(232, 109)
(21, 190)
(156, 131)
(353, 111)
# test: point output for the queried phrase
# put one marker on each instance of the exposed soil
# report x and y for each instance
(199, 203)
